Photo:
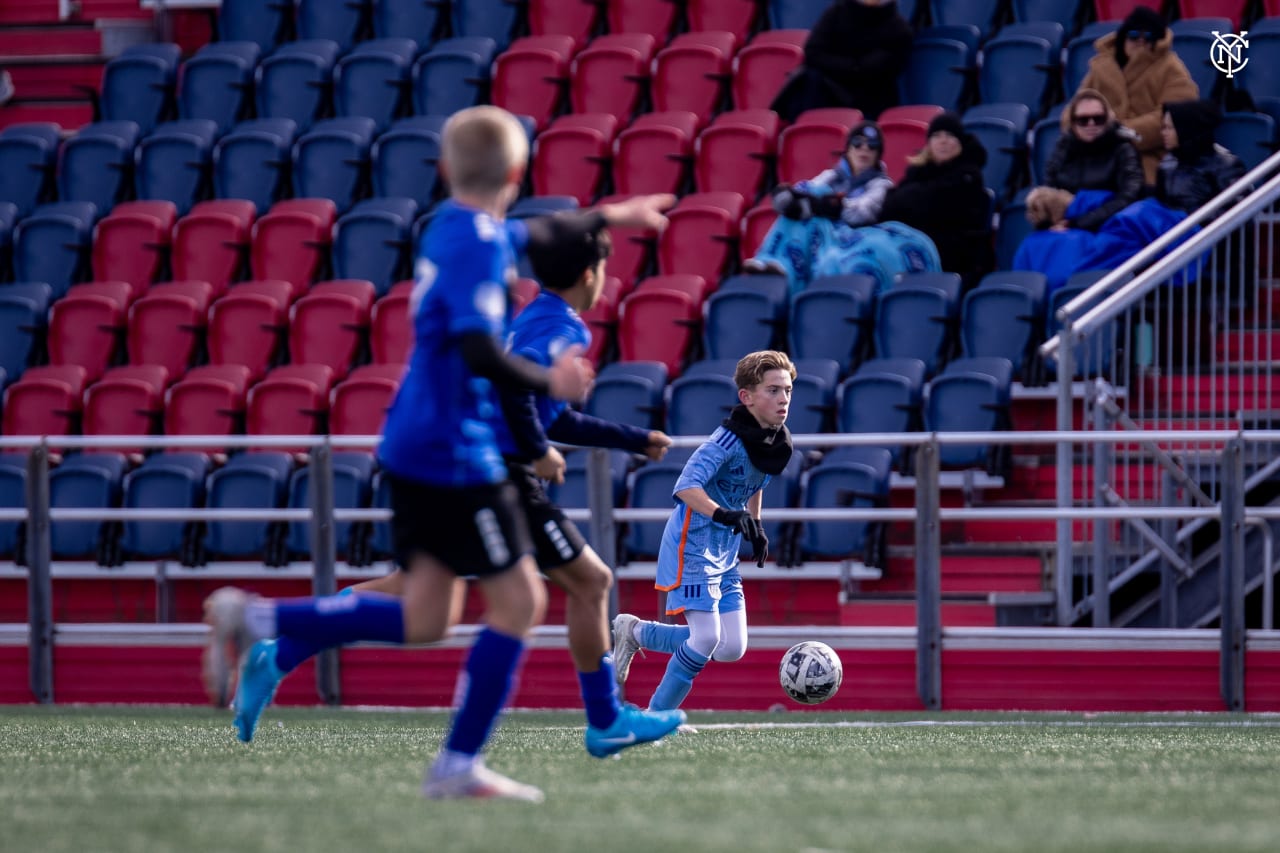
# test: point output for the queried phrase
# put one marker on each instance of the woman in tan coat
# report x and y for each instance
(1137, 72)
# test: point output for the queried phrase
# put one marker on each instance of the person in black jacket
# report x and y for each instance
(1094, 153)
(852, 58)
(1195, 169)
(942, 195)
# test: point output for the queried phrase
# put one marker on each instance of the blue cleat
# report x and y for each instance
(632, 727)
(259, 678)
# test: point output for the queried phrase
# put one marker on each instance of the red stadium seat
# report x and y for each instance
(87, 326)
(330, 324)
(755, 224)
(291, 242)
(564, 17)
(654, 17)
(45, 400)
(905, 130)
(246, 325)
(602, 320)
(701, 237)
(390, 332)
(735, 153)
(654, 153)
(760, 69)
(735, 16)
(167, 324)
(658, 325)
(524, 291)
(126, 401)
(1233, 9)
(531, 77)
(359, 405)
(608, 75)
(132, 244)
(693, 73)
(209, 400)
(814, 143)
(1117, 10)
(572, 156)
(211, 243)
(695, 287)
(290, 400)
(633, 250)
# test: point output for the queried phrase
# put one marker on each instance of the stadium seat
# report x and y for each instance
(793, 14)
(13, 495)
(87, 326)
(760, 68)
(390, 332)
(132, 244)
(290, 400)
(735, 16)
(373, 81)
(340, 21)
(296, 81)
(291, 243)
(555, 17)
(1012, 230)
(572, 493)
(163, 481)
(1230, 13)
(652, 17)
(1080, 50)
(938, 70)
(813, 396)
(53, 245)
(8, 219)
(701, 235)
(1250, 136)
(814, 143)
(782, 493)
(452, 75)
(422, 22)
(905, 130)
(212, 242)
(833, 318)
(738, 322)
(1019, 64)
(756, 223)
(167, 325)
(979, 13)
(138, 85)
(209, 400)
(24, 309)
(406, 158)
(856, 477)
(255, 21)
(87, 481)
(651, 488)
(970, 395)
(658, 325)
(252, 480)
(216, 83)
(1002, 131)
(358, 405)
(736, 153)
(633, 250)
(127, 400)
(532, 76)
(885, 395)
(96, 164)
(329, 326)
(1093, 356)
(248, 324)
(696, 404)
(1067, 14)
(1193, 40)
(1044, 137)
(629, 393)
(696, 287)
(45, 401)
(496, 20)
(332, 161)
(653, 155)
(253, 161)
(174, 163)
(352, 489)
(373, 242)
(693, 72)
(28, 164)
(572, 156)
(609, 75)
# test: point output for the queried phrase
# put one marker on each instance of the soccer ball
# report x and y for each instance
(810, 672)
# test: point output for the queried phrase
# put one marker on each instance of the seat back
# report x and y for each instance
(296, 81)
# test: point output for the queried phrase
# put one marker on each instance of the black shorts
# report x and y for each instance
(556, 539)
(474, 530)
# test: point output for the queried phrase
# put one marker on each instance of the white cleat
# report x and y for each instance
(228, 639)
(479, 783)
(625, 645)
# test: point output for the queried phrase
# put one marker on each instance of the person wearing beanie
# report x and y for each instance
(1195, 169)
(1136, 71)
(853, 57)
(943, 195)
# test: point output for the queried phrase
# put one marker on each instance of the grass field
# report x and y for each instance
(168, 779)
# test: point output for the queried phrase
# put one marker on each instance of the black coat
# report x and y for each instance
(949, 203)
(1184, 185)
(1110, 162)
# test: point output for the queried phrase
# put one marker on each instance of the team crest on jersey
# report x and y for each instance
(486, 228)
(491, 300)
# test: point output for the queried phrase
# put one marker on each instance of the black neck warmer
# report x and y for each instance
(768, 449)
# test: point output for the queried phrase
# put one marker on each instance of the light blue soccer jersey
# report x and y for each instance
(440, 427)
(695, 550)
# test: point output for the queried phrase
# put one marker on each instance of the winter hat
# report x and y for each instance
(870, 131)
(1195, 122)
(947, 123)
(1143, 20)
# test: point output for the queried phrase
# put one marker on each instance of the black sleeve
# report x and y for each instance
(1053, 176)
(520, 409)
(589, 431)
(509, 372)
(548, 231)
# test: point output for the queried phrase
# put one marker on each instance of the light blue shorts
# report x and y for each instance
(719, 593)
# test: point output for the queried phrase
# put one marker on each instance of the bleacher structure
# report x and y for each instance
(206, 241)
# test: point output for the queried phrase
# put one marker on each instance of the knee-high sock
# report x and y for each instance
(339, 619)
(600, 694)
(660, 637)
(290, 651)
(683, 667)
(488, 675)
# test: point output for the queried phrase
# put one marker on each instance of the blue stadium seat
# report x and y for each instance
(8, 219)
(163, 481)
(1093, 356)
(422, 22)
(711, 367)
(794, 14)
(352, 489)
(87, 480)
(380, 545)
(697, 404)
(1020, 65)
(340, 21)
(774, 287)
(1261, 76)
(373, 242)
(52, 245)
(28, 163)
(96, 164)
(453, 75)
(332, 160)
(651, 487)
(138, 85)
(629, 392)
(256, 479)
(781, 493)
(573, 494)
(253, 161)
(24, 312)
(738, 322)
(813, 395)
(406, 160)
(216, 83)
(1192, 41)
(1066, 13)
(175, 163)
(970, 395)
(1033, 284)
(253, 20)
(832, 318)
(295, 81)
(541, 205)
(1012, 230)
(938, 72)
(492, 19)
(373, 80)
(978, 13)
(885, 395)
(856, 477)
(1044, 136)
(1080, 50)
(915, 323)
(1002, 130)
(1251, 136)
(13, 495)
(946, 283)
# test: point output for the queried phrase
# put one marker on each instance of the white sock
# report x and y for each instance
(449, 763)
(260, 619)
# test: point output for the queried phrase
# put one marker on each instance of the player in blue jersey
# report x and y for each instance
(454, 513)
(718, 499)
(570, 265)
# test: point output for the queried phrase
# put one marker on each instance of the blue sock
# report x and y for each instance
(290, 651)
(661, 637)
(489, 673)
(683, 667)
(339, 619)
(600, 694)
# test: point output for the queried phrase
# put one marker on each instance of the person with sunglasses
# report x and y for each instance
(1137, 72)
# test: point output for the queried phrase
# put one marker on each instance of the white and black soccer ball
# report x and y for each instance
(811, 672)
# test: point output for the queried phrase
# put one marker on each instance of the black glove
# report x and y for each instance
(746, 524)
(791, 205)
(827, 206)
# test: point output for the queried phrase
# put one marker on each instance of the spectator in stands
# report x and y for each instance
(1137, 71)
(1095, 153)
(852, 58)
(943, 196)
(1195, 169)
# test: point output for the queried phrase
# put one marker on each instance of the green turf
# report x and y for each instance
(129, 779)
